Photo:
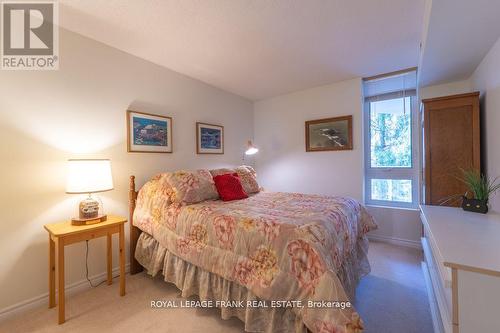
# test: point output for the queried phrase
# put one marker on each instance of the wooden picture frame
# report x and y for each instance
(329, 134)
(148, 133)
(209, 138)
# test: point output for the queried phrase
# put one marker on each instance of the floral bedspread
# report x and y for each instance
(281, 246)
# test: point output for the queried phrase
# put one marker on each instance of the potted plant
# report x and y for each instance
(481, 188)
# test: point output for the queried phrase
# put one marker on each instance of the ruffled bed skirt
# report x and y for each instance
(192, 280)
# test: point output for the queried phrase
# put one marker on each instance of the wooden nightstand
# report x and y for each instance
(63, 233)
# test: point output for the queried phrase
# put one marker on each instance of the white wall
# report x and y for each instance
(446, 89)
(398, 225)
(486, 79)
(284, 165)
(79, 111)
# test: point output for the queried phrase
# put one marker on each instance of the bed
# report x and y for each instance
(306, 251)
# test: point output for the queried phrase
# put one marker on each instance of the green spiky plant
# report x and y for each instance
(481, 186)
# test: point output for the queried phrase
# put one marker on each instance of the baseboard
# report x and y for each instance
(396, 241)
(44, 298)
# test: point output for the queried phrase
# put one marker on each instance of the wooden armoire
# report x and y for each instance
(451, 142)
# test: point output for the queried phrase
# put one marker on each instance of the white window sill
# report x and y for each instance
(413, 209)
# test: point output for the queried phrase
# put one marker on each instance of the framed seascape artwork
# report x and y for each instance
(209, 139)
(329, 134)
(148, 133)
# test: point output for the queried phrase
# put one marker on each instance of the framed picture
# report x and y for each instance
(148, 133)
(209, 139)
(329, 134)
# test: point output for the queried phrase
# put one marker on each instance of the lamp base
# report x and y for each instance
(94, 220)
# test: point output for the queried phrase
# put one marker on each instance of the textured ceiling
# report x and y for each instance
(258, 48)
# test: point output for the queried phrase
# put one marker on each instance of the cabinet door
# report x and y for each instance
(452, 144)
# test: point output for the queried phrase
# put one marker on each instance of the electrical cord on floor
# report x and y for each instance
(87, 267)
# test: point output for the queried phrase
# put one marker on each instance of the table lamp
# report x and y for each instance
(89, 176)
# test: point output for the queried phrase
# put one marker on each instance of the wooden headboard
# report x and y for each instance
(135, 232)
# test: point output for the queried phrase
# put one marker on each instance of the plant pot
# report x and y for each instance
(475, 205)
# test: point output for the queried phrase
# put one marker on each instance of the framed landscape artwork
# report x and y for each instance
(148, 133)
(209, 139)
(329, 134)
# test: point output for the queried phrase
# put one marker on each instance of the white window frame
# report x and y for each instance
(393, 173)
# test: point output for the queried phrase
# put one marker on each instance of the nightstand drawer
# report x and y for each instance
(75, 238)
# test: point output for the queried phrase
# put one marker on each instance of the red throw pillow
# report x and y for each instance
(229, 187)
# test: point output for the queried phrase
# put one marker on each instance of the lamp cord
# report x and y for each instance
(87, 267)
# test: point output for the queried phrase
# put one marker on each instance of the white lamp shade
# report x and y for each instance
(89, 176)
(251, 149)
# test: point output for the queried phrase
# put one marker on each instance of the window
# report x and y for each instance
(391, 142)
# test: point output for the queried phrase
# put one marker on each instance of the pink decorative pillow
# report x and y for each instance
(192, 186)
(221, 171)
(229, 187)
(153, 196)
(247, 174)
(248, 178)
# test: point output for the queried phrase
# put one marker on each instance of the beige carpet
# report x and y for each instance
(392, 299)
